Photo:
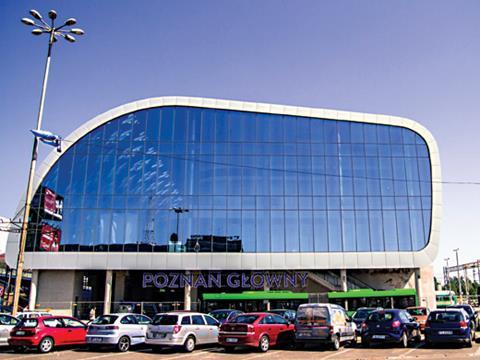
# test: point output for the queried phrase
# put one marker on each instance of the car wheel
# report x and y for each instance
(335, 342)
(264, 343)
(404, 340)
(123, 344)
(189, 344)
(469, 342)
(46, 345)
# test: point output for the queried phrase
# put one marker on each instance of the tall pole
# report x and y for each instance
(458, 274)
(33, 163)
(447, 271)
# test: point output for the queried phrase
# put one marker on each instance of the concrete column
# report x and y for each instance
(343, 284)
(107, 300)
(418, 287)
(187, 295)
(119, 291)
(32, 299)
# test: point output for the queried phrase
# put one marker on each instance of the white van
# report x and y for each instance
(323, 324)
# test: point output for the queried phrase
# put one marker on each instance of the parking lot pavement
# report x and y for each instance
(418, 352)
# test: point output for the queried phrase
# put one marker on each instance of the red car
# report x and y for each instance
(259, 330)
(47, 332)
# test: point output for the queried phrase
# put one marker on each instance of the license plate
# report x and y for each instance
(231, 340)
(445, 332)
(159, 334)
(20, 333)
(96, 340)
(303, 334)
(378, 337)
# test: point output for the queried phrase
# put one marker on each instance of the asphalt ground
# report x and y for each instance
(418, 352)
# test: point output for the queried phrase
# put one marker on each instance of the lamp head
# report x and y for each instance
(35, 14)
(52, 14)
(69, 38)
(70, 22)
(28, 21)
(77, 31)
(37, 32)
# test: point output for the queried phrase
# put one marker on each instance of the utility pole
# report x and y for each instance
(458, 274)
(447, 272)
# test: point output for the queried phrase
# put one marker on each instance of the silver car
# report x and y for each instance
(119, 330)
(7, 322)
(185, 329)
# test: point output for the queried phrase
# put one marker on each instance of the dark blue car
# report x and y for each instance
(449, 326)
(390, 326)
(469, 310)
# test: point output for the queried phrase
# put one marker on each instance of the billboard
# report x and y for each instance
(52, 204)
(49, 238)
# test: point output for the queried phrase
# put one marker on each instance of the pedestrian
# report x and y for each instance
(91, 315)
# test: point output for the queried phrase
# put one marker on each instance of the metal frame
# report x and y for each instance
(240, 261)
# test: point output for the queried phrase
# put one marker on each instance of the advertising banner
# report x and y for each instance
(49, 238)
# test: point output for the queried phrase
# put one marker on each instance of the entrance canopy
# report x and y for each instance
(257, 295)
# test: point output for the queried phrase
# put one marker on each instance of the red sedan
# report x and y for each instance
(47, 332)
(259, 330)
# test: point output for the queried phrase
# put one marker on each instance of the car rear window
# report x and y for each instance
(27, 323)
(220, 315)
(105, 320)
(381, 316)
(446, 317)
(165, 319)
(314, 315)
(362, 314)
(244, 319)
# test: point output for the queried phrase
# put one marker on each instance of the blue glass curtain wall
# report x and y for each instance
(234, 181)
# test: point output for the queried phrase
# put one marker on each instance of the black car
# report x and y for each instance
(390, 326)
(289, 315)
(471, 313)
(360, 316)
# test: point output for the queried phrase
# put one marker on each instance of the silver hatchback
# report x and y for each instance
(119, 330)
(7, 323)
(184, 329)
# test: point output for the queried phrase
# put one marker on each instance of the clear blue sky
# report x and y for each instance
(417, 59)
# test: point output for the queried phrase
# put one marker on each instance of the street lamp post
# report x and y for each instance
(53, 32)
(458, 275)
(447, 272)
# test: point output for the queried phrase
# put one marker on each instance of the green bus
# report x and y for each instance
(387, 299)
(445, 298)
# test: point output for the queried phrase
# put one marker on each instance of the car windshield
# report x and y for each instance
(468, 309)
(312, 315)
(380, 316)
(27, 323)
(220, 314)
(105, 320)
(361, 314)
(244, 319)
(163, 319)
(417, 312)
(446, 317)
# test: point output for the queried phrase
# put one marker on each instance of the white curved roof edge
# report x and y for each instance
(265, 261)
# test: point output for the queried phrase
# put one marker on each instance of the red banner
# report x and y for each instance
(49, 238)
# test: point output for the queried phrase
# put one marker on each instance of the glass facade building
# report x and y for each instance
(193, 179)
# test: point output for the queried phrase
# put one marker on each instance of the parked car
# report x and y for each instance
(324, 324)
(184, 329)
(473, 316)
(258, 330)
(119, 330)
(420, 314)
(449, 326)
(360, 316)
(289, 315)
(390, 326)
(224, 315)
(32, 314)
(47, 332)
(7, 322)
